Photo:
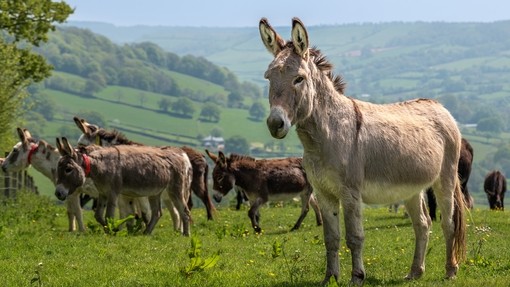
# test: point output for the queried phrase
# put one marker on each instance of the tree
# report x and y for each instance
(491, 124)
(258, 111)
(26, 22)
(235, 100)
(237, 144)
(183, 106)
(210, 112)
(164, 104)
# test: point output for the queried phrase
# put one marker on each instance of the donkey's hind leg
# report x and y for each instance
(155, 203)
(315, 206)
(417, 209)
(305, 207)
(451, 204)
(174, 213)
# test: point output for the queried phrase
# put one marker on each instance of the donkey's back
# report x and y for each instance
(139, 167)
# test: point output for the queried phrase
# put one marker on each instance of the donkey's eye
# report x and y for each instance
(68, 170)
(298, 80)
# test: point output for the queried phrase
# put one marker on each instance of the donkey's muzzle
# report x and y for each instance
(278, 123)
(218, 197)
(61, 192)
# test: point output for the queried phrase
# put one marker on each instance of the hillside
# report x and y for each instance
(463, 65)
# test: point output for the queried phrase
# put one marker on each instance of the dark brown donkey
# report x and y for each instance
(93, 134)
(495, 188)
(264, 180)
(464, 171)
(135, 171)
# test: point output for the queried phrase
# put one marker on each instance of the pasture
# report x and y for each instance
(36, 250)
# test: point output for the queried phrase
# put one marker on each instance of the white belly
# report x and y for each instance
(380, 193)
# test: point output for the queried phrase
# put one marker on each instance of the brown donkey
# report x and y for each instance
(93, 134)
(135, 171)
(262, 181)
(357, 152)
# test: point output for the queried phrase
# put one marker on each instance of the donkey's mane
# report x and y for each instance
(238, 157)
(323, 64)
(110, 136)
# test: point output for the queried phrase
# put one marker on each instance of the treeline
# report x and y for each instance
(143, 66)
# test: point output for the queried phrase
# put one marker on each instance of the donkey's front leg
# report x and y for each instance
(253, 213)
(354, 236)
(111, 204)
(331, 226)
(99, 213)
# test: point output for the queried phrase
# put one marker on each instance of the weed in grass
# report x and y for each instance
(477, 258)
(197, 263)
(113, 226)
(38, 275)
(294, 262)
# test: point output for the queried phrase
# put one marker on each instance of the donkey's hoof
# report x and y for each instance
(451, 272)
(329, 279)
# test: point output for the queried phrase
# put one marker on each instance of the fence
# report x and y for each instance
(14, 181)
(11, 182)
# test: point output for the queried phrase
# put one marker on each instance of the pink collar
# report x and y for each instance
(86, 163)
(31, 152)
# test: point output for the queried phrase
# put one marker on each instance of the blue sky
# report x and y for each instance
(239, 13)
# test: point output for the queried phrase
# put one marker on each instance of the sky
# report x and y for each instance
(241, 13)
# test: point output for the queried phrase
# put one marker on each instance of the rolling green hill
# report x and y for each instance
(465, 66)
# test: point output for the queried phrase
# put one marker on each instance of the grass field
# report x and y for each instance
(35, 250)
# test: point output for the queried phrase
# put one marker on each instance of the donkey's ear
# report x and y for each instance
(81, 124)
(273, 42)
(222, 159)
(60, 148)
(22, 136)
(27, 133)
(211, 155)
(300, 38)
(67, 146)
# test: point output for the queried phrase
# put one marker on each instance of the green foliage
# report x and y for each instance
(258, 111)
(237, 144)
(197, 263)
(113, 226)
(210, 112)
(23, 24)
(183, 106)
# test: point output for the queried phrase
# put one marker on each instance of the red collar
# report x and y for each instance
(31, 152)
(86, 163)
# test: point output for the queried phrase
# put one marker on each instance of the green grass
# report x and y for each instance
(34, 246)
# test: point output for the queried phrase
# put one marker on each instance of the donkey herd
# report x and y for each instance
(354, 152)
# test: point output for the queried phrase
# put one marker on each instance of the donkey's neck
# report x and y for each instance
(45, 161)
(333, 114)
(245, 174)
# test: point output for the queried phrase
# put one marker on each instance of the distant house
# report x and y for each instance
(213, 143)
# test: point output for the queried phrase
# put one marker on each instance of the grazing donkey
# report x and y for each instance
(464, 170)
(92, 134)
(136, 171)
(264, 180)
(356, 152)
(495, 188)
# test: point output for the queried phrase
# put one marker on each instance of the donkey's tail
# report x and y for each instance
(459, 219)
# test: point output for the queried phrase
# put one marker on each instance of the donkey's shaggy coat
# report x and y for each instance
(264, 180)
(136, 171)
(358, 152)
